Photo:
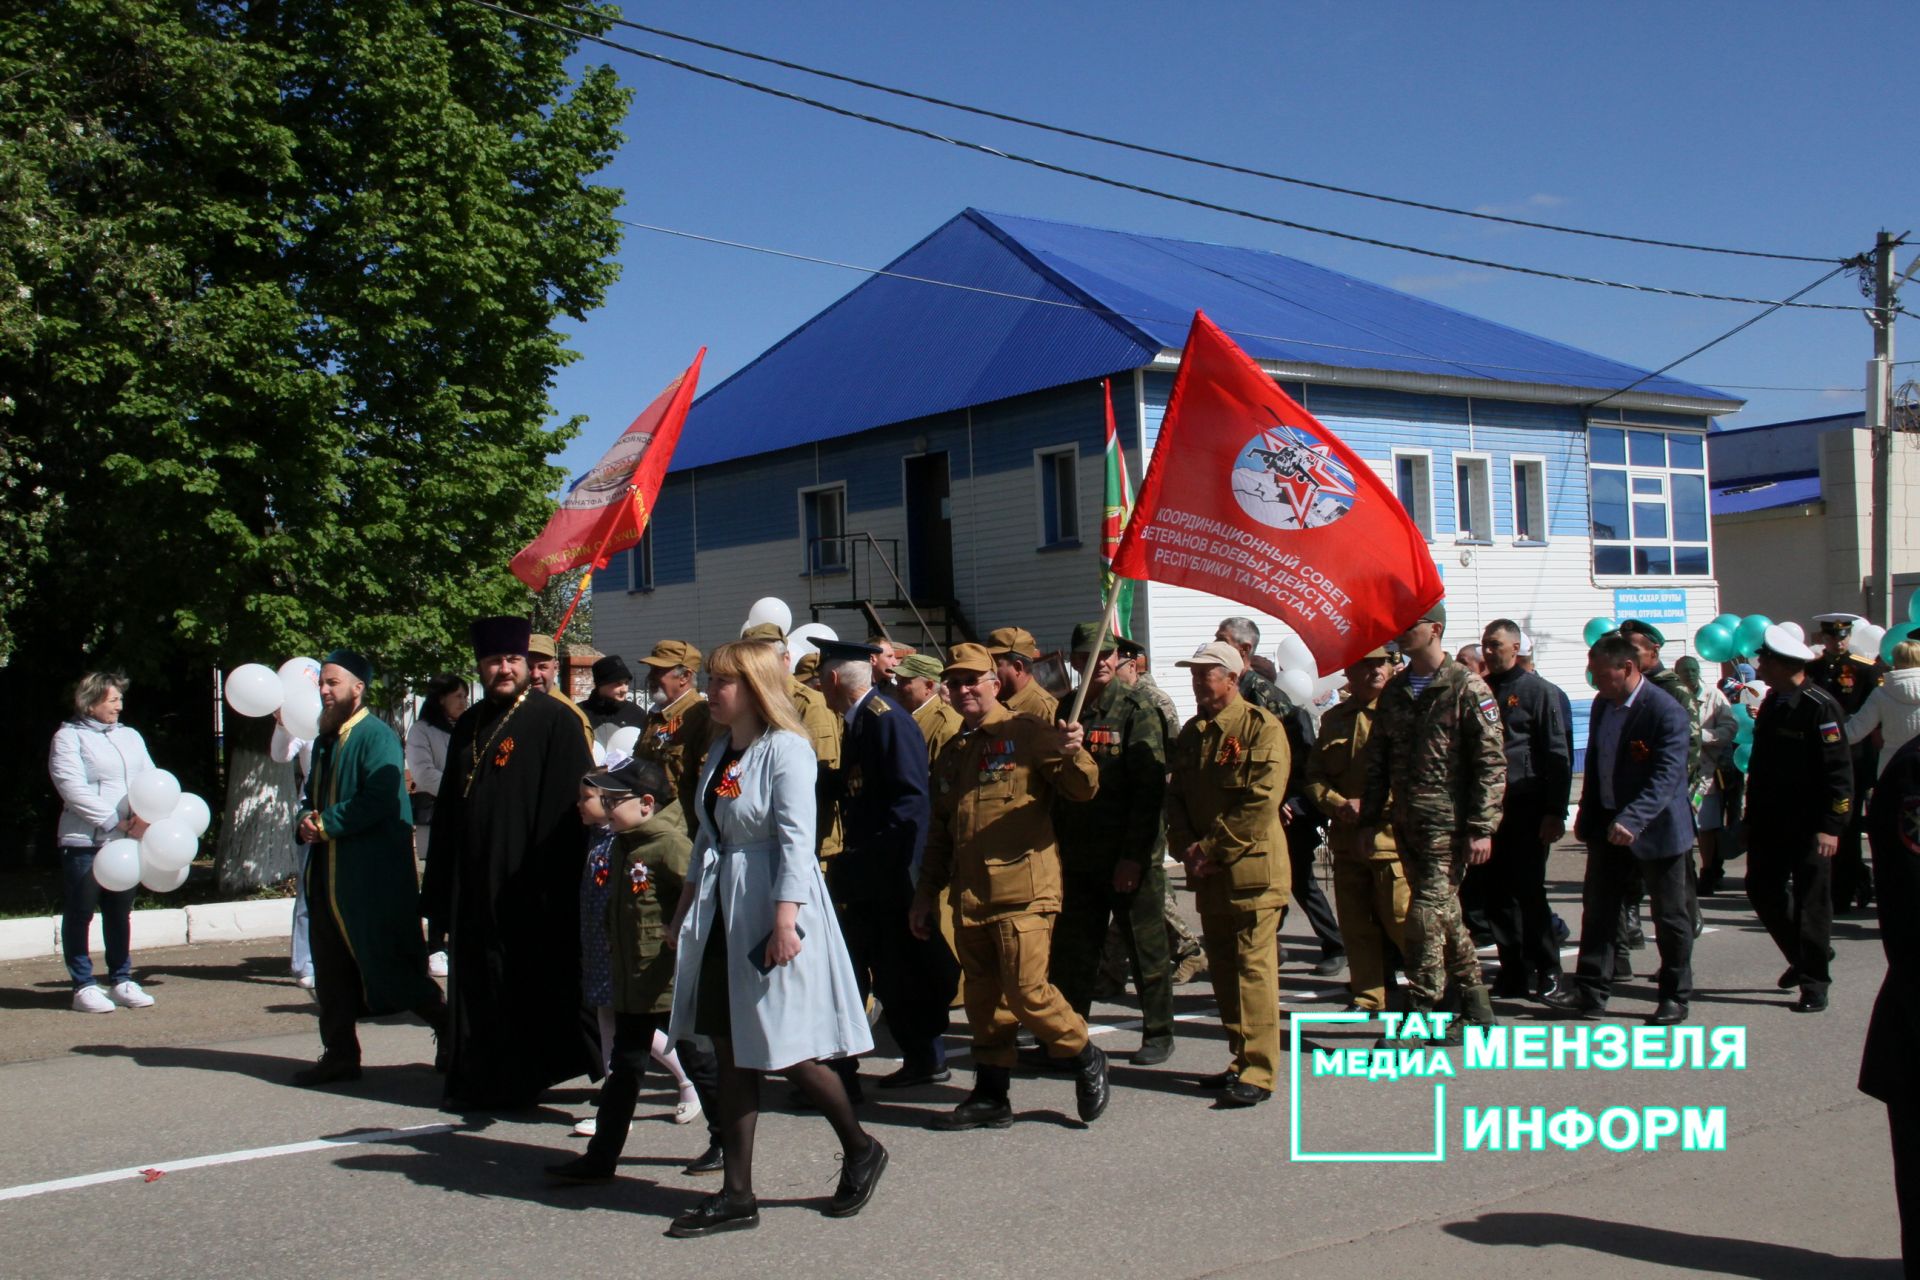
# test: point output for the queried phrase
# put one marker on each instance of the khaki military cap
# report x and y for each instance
(1014, 640)
(807, 667)
(764, 631)
(540, 645)
(1217, 654)
(673, 653)
(969, 659)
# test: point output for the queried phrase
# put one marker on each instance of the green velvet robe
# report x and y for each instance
(358, 787)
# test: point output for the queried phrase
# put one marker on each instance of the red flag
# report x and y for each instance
(607, 509)
(1248, 496)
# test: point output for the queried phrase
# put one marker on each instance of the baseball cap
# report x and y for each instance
(1217, 653)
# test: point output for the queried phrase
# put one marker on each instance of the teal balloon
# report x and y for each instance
(1744, 733)
(1713, 642)
(1743, 756)
(1913, 607)
(1752, 631)
(1731, 621)
(1596, 627)
(1894, 636)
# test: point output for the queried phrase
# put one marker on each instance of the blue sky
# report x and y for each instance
(1751, 125)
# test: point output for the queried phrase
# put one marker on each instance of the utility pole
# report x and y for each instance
(1879, 409)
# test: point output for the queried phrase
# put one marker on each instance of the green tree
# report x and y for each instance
(279, 286)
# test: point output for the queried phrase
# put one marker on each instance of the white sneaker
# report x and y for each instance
(586, 1128)
(437, 964)
(687, 1110)
(130, 995)
(304, 982)
(91, 999)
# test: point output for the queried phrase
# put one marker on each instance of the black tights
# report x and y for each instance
(740, 1113)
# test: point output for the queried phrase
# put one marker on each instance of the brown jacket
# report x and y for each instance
(939, 725)
(676, 737)
(1337, 773)
(991, 845)
(1228, 775)
(1034, 701)
(823, 731)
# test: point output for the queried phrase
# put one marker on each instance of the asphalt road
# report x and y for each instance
(1163, 1186)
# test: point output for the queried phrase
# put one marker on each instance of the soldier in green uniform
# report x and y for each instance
(1014, 652)
(1437, 752)
(1850, 677)
(679, 728)
(1230, 764)
(1111, 847)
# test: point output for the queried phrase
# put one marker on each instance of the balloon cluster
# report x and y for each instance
(1297, 673)
(1868, 638)
(1731, 636)
(799, 639)
(160, 858)
(293, 691)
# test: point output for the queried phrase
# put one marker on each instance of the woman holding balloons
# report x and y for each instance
(93, 759)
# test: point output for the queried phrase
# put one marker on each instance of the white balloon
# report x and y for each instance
(167, 846)
(1295, 656)
(1794, 629)
(621, 743)
(193, 813)
(307, 668)
(605, 731)
(1752, 694)
(253, 690)
(153, 794)
(117, 865)
(1329, 684)
(164, 881)
(599, 753)
(1297, 685)
(770, 609)
(1866, 639)
(300, 706)
(811, 631)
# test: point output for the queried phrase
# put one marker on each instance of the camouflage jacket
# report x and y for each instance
(1441, 757)
(1668, 681)
(1123, 820)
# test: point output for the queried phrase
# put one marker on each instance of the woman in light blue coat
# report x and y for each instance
(762, 968)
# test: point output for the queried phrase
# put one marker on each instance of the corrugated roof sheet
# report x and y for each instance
(1793, 491)
(1042, 304)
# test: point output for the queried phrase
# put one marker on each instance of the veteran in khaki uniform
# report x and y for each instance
(543, 666)
(1014, 652)
(916, 681)
(823, 731)
(991, 849)
(679, 728)
(1230, 765)
(1369, 884)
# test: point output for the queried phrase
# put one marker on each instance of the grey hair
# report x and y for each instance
(855, 673)
(1241, 631)
(93, 686)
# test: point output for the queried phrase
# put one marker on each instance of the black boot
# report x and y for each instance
(858, 1177)
(1091, 1093)
(329, 1070)
(986, 1107)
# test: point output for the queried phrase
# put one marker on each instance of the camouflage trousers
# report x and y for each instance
(1439, 948)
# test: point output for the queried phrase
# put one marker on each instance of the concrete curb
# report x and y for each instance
(160, 927)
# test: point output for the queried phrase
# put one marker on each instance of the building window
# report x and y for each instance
(1057, 472)
(1472, 498)
(1648, 491)
(1413, 482)
(1529, 500)
(823, 527)
(640, 562)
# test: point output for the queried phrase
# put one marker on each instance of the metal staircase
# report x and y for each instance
(854, 572)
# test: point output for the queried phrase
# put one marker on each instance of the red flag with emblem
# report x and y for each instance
(1250, 497)
(607, 509)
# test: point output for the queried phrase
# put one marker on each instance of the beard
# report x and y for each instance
(499, 692)
(332, 717)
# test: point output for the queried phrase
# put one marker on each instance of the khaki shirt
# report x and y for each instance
(1337, 773)
(991, 844)
(1034, 701)
(1228, 773)
(939, 725)
(676, 737)
(586, 725)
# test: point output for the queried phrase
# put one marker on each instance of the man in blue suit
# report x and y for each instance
(884, 812)
(1633, 814)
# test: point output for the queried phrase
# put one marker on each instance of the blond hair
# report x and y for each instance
(1906, 654)
(757, 664)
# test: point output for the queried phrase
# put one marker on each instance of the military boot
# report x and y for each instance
(1091, 1092)
(1476, 1008)
(1425, 1009)
(986, 1107)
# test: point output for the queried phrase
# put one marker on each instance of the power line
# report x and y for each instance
(1183, 157)
(1136, 315)
(1142, 189)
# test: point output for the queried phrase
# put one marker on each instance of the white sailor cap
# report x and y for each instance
(1525, 647)
(1783, 643)
(1844, 619)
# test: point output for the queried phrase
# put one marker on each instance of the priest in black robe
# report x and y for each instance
(503, 882)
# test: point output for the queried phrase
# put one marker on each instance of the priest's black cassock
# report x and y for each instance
(503, 885)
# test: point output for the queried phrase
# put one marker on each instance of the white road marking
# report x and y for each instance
(228, 1157)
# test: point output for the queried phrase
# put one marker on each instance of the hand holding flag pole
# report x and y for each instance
(1099, 647)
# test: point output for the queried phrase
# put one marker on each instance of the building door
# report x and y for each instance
(929, 529)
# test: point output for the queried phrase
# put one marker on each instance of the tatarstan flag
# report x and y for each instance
(1250, 497)
(1119, 506)
(607, 509)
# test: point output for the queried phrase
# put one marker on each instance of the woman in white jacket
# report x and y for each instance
(92, 759)
(1894, 707)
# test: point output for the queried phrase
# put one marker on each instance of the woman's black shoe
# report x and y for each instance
(712, 1160)
(858, 1177)
(715, 1214)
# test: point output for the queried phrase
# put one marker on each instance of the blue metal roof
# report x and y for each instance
(1042, 304)
(1792, 491)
